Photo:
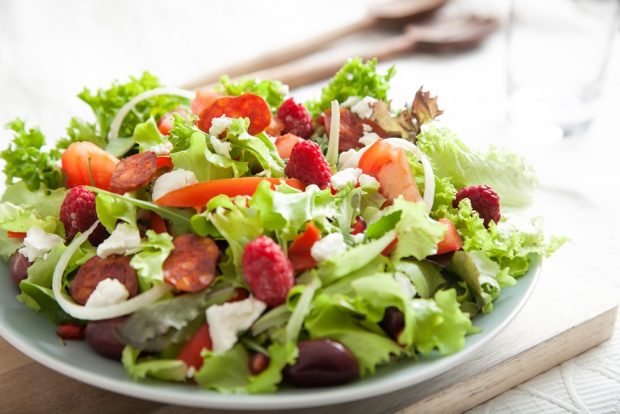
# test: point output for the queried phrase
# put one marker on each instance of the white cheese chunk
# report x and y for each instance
(368, 181)
(349, 159)
(38, 242)
(406, 285)
(344, 177)
(331, 245)
(220, 147)
(369, 138)
(162, 149)
(364, 107)
(171, 181)
(350, 101)
(108, 292)
(227, 320)
(125, 240)
(219, 125)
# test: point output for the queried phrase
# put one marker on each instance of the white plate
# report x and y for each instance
(33, 335)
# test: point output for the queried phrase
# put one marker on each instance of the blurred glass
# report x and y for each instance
(558, 51)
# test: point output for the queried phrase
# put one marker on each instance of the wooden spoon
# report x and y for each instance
(392, 14)
(444, 35)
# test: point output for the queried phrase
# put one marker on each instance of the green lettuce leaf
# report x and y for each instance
(417, 233)
(271, 91)
(20, 219)
(25, 159)
(80, 130)
(425, 276)
(162, 369)
(41, 300)
(355, 78)
(257, 148)
(147, 135)
(280, 355)
(8, 245)
(331, 318)
(44, 202)
(111, 209)
(440, 323)
(149, 261)
(507, 173)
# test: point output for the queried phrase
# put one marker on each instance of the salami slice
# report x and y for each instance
(243, 106)
(97, 269)
(191, 265)
(134, 172)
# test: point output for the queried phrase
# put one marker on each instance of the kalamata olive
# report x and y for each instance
(103, 338)
(258, 363)
(322, 363)
(393, 322)
(19, 265)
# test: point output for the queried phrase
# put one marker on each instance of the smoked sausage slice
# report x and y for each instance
(134, 172)
(191, 265)
(97, 269)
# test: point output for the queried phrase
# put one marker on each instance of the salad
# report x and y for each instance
(241, 240)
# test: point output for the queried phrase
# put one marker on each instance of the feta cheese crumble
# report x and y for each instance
(125, 239)
(108, 292)
(349, 159)
(344, 177)
(331, 245)
(219, 125)
(38, 242)
(162, 149)
(364, 107)
(227, 320)
(220, 147)
(171, 181)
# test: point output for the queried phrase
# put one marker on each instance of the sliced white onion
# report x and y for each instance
(334, 135)
(429, 176)
(97, 313)
(115, 126)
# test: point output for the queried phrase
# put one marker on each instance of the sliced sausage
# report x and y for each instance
(134, 172)
(103, 337)
(191, 265)
(97, 269)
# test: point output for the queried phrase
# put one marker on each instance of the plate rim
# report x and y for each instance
(258, 402)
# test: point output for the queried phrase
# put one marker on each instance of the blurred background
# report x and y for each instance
(50, 50)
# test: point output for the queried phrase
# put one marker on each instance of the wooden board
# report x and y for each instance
(553, 327)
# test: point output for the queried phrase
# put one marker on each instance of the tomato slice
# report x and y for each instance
(389, 165)
(15, 234)
(198, 195)
(451, 241)
(243, 106)
(299, 252)
(190, 353)
(84, 163)
(164, 161)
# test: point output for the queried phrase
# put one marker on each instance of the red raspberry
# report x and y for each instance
(308, 165)
(78, 213)
(267, 271)
(483, 199)
(296, 119)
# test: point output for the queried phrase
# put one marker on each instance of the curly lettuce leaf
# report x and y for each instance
(20, 219)
(507, 173)
(105, 103)
(8, 245)
(44, 202)
(149, 261)
(111, 209)
(417, 233)
(355, 78)
(271, 91)
(26, 160)
(80, 130)
(147, 135)
(425, 276)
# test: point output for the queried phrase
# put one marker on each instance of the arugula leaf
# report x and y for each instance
(149, 261)
(271, 91)
(25, 158)
(355, 78)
